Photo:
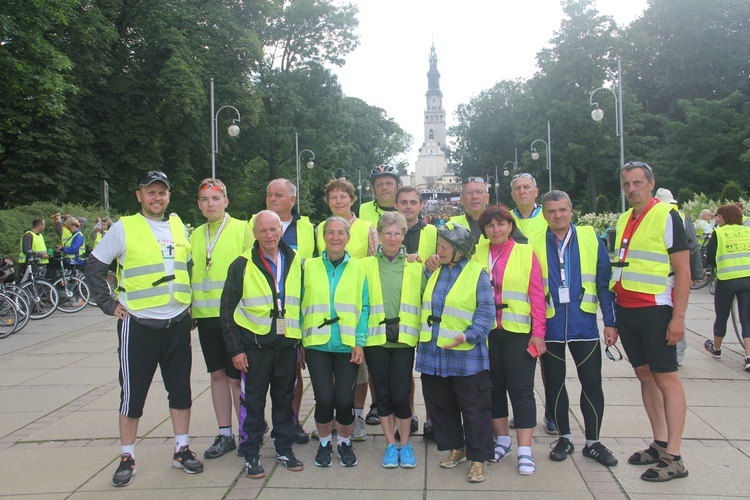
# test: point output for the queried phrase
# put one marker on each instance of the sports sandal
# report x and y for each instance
(667, 469)
(526, 465)
(648, 456)
(500, 452)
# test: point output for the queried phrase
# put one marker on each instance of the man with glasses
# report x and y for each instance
(528, 213)
(651, 281)
(576, 271)
(215, 245)
(153, 253)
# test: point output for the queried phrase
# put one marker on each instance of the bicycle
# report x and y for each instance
(18, 297)
(708, 273)
(43, 297)
(735, 315)
(73, 291)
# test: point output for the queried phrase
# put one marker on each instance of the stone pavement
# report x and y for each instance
(59, 439)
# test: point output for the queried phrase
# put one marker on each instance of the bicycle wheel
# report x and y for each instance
(736, 322)
(8, 317)
(21, 303)
(712, 285)
(73, 293)
(43, 298)
(703, 281)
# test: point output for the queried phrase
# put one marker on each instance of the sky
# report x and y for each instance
(478, 43)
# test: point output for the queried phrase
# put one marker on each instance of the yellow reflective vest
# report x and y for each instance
(646, 268)
(37, 245)
(359, 240)
(143, 273)
(529, 227)
(305, 236)
(458, 311)
(461, 219)
(732, 252)
(427, 242)
(316, 306)
(207, 286)
(370, 213)
(588, 252)
(409, 308)
(257, 308)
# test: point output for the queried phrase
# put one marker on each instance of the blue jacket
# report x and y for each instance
(569, 321)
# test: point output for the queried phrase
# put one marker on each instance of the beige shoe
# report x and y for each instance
(453, 458)
(477, 474)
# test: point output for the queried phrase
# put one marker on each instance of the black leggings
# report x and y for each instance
(392, 372)
(324, 367)
(587, 355)
(512, 374)
(726, 290)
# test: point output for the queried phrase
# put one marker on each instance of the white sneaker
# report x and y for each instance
(359, 433)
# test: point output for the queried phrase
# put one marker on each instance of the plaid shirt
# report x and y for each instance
(433, 360)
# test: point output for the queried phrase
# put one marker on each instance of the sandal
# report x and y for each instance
(500, 452)
(648, 456)
(667, 469)
(526, 465)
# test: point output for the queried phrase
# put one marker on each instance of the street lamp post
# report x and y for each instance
(497, 185)
(233, 129)
(310, 164)
(548, 150)
(597, 114)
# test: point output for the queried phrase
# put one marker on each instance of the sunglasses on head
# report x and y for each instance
(610, 356)
(212, 185)
(639, 164)
(474, 179)
(156, 173)
(522, 176)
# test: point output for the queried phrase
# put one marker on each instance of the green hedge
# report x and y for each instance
(16, 221)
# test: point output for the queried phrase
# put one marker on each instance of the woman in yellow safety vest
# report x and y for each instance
(363, 239)
(518, 336)
(335, 310)
(395, 289)
(728, 252)
(457, 315)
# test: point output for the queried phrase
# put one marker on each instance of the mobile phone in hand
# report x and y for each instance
(532, 351)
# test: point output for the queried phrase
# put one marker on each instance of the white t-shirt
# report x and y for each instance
(112, 247)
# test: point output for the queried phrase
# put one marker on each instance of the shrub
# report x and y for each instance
(600, 222)
(732, 192)
(602, 204)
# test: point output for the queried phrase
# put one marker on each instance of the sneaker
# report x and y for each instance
(406, 457)
(359, 433)
(709, 346)
(372, 416)
(300, 436)
(427, 432)
(600, 453)
(323, 456)
(253, 469)
(390, 457)
(550, 426)
(561, 449)
(347, 458)
(414, 424)
(289, 461)
(315, 435)
(477, 473)
(222, 445)
(125, 471)
(185, 460)
(453, 458)
(746, 367)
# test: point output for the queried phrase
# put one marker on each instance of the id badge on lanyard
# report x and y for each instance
(563, 291)
(210, 249)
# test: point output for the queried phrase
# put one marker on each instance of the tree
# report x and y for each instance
(732, 192)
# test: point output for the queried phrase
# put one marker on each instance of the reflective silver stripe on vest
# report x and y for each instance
(344, 308)
(523, 297)
(734, 269)
(376, 330)
(448, 334)
(212, 285)
(142, 270)
(179, 287)
(410, 330)
(292, 323)
(258, 320)
(317, 309)
(205, 304)
(651, 256)
(311, 332)
(458, 313)
(377, 309)
(545, 282)
(407, 308)
(588, 278)
(739, 255)
(587, 297)
(347, 330)
(516, 318)
(147, 293)
(644, 278)
(180, 266)
(291, 301)
(256, 301)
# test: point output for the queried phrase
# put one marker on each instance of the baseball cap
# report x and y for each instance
(665, 196)
(153, 176)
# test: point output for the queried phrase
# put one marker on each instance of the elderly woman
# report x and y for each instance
(704, 225)
(395, 288)
(364, 238)
(457, 315)
(727, 252)
(335, 310)
(518, 337)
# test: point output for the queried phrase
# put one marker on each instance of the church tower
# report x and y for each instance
(430, 167)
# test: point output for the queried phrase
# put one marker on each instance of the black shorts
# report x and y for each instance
(214, 349)
(643, 332)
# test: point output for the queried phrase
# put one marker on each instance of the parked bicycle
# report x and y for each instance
(19, 301)
(708, 273)
(43, 297)
(72, 290)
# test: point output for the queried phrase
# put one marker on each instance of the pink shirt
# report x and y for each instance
(535, 291)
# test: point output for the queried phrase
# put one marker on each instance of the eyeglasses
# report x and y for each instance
(474, 179)
(610, 356)
(392, 235)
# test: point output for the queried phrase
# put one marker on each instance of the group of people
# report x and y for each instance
(472, 306)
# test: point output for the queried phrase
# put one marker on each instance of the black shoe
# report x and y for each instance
(222, 445)
(562, 448)
(323, 457)
(185, 460)
(347, 458)
(709, 346)
(125, 471)
(550, 426)
(414, 425)
(253, 469)
(289, 461)
(300, 436)
(427, 432)
(372, 416)
(600, 453)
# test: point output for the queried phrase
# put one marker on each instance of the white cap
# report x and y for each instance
(665, 196)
